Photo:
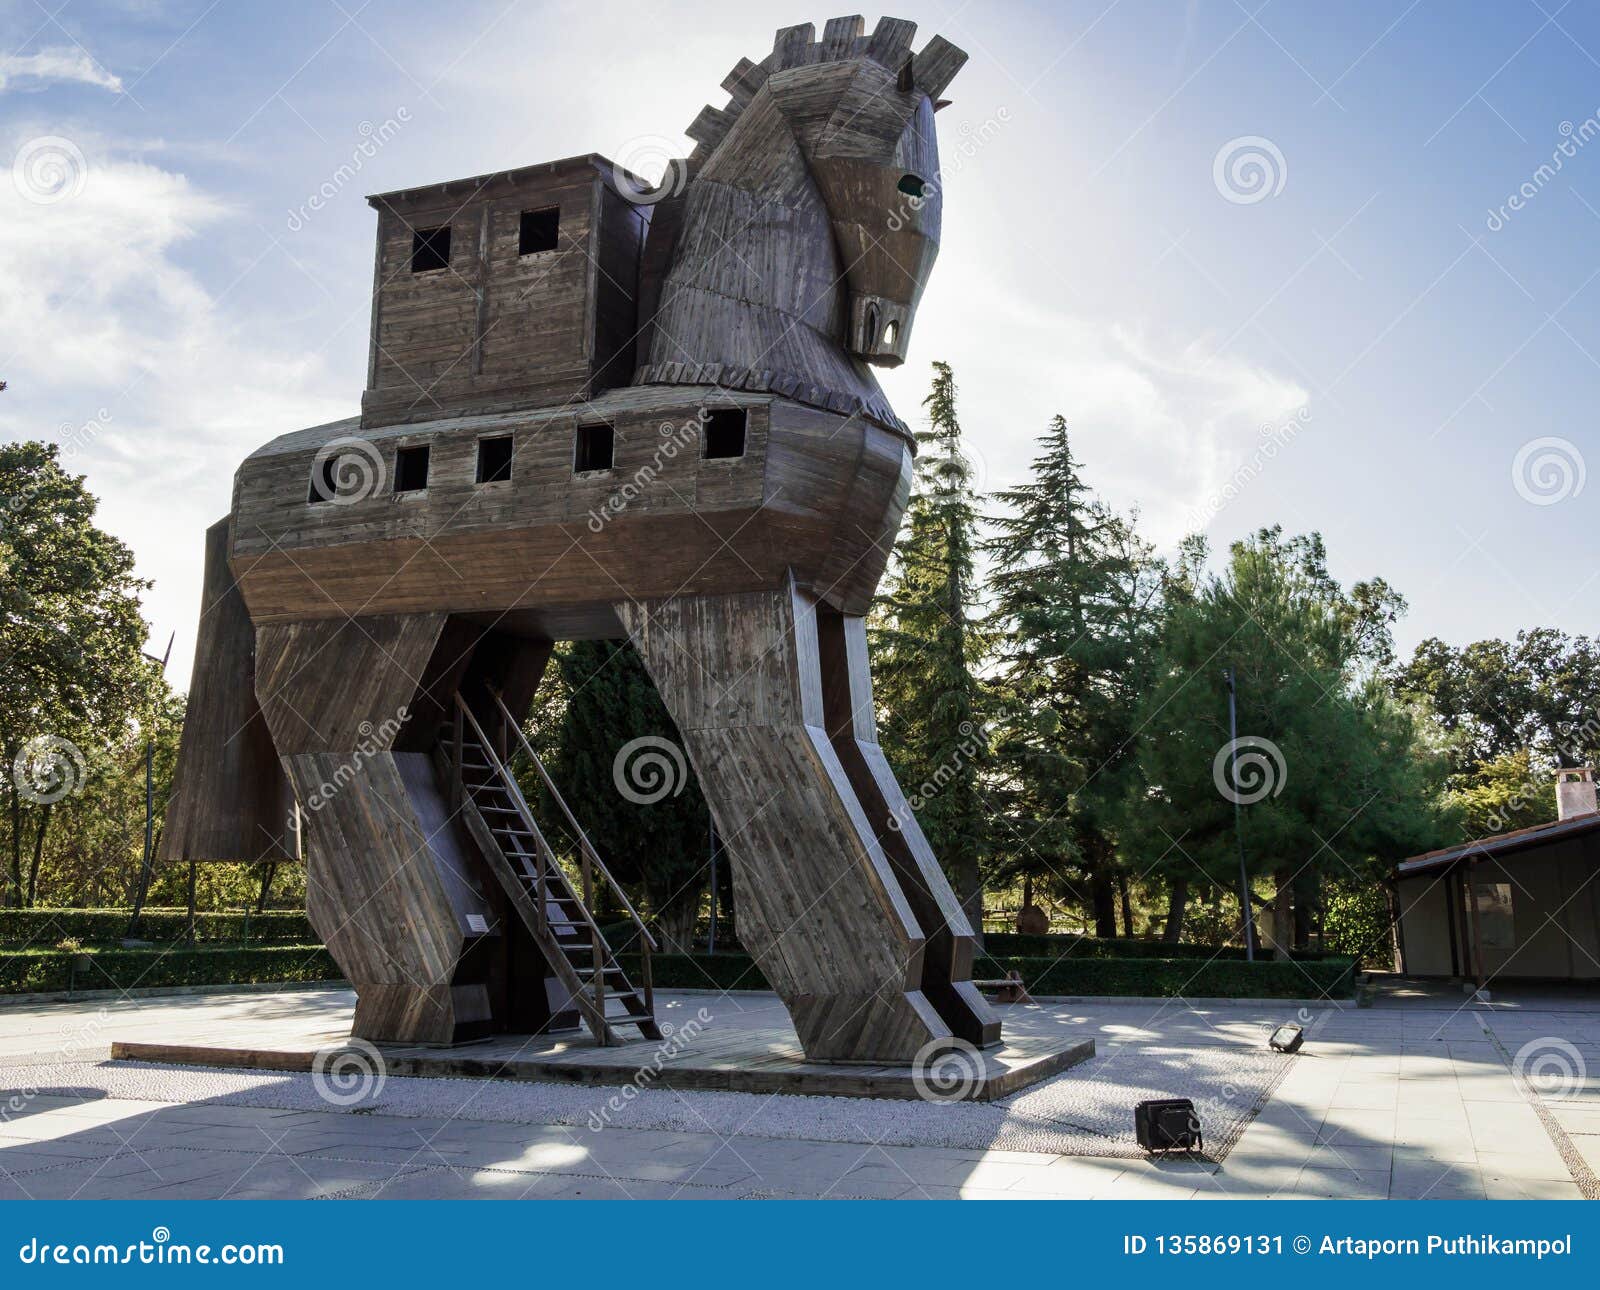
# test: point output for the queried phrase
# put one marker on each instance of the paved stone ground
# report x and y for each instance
(1416, 1097)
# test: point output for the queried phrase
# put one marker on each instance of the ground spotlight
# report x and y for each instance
(1167, 1124)
(1287, 1038)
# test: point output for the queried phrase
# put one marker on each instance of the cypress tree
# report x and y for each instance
(927, 648)
(1076, 607)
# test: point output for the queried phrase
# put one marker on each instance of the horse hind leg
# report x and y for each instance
(820, 904)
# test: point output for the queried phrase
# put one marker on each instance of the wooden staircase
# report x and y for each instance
(557, 915)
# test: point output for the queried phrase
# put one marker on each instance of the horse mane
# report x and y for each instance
(843, 40)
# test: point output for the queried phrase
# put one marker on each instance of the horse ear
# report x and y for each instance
(906, 81)
(936, 66)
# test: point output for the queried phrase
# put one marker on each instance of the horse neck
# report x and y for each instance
(755, 297)
(755, 257)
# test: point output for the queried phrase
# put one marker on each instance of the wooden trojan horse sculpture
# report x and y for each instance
(593, 409)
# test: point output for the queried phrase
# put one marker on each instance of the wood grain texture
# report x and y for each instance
(820, 905)
(814, 494)
(232, 800)
(495, 327)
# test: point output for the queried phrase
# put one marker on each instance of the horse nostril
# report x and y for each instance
(912, 185)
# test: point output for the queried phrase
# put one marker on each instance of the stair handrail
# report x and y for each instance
(547, 853)
(577, 829)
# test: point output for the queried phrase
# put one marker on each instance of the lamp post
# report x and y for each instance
(1238, 825)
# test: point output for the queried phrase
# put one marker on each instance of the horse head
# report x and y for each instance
(811, 222)
(865, 128)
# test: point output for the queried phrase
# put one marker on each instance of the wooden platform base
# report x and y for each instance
(732, 1059)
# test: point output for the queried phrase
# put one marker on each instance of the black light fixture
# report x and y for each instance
(1167, 1124)
(1287, 1038)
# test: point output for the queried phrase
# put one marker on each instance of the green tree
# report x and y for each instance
(1538, 695)
(1077, 600)
(660, 844)
(1333, 775)
(927, 652)
(72, 678)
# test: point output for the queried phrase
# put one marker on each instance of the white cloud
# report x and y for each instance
(1160, 425)
(115, 349)
(55, 64)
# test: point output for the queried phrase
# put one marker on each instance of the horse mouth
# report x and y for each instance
(879, 330)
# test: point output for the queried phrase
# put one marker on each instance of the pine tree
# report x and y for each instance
(658, 845)
(1076, 596)
(927, 649)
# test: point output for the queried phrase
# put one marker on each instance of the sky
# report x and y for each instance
(1335, 267)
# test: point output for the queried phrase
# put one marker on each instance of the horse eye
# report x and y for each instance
(911, 185)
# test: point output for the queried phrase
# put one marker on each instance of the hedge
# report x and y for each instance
(40, 971)
(45, 927)
(1058, 944)
(1148, 978)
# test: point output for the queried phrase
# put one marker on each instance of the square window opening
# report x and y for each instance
(537, 231)
(494, 460)
(324, 479)
(411, 469)
(724, 433)
(594, 449)
(430, 249)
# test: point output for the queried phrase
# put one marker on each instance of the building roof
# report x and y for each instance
(476, 183)
(1500, 845)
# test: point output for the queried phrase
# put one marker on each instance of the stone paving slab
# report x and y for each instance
(1399, 1101)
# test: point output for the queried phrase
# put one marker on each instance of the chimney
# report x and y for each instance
(1575, 793)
